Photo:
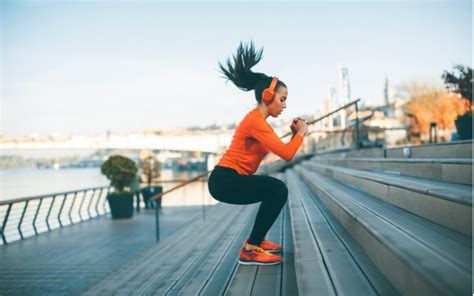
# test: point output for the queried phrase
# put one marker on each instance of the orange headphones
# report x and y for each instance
(269, 92)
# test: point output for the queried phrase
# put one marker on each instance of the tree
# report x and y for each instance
(427, 103)
(460, 79)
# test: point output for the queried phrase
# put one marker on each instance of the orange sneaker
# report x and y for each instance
(268, 246)
(258, 256)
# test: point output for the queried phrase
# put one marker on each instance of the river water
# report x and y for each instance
(16, 183)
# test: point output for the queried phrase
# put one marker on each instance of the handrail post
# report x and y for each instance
(36, 216)
(160, 195)
(61, 210)
(72, 207)
(105, 201)
(97, 203)
(5, 223)
(49, 212)
(157, 222)
(90, 203)
(80, 205)
(21, 219)
(203, 199)
(357, 127)
(136, 194)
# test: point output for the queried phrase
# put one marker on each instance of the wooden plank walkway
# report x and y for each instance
(203, 261)
(68, 260)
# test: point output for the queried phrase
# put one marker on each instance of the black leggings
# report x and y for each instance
(226, 185)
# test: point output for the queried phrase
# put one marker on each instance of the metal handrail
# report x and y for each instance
(167, 181)
(183, 183)
(364, 128)
(331, 113)
(50, 211)
(8, 201)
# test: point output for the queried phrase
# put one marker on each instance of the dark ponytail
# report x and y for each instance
(238, 70)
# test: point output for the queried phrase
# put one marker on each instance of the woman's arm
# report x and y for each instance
(262, 132)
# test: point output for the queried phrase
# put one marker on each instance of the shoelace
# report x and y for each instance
(258, 250)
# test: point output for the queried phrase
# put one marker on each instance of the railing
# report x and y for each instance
(154, 184)
(160, 195)
(28, 216)
(24, 217)
(357, 143)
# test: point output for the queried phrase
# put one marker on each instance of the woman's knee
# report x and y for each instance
(284, 192)
(281, 190)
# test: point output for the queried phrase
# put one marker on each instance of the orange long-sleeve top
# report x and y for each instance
(253, 139)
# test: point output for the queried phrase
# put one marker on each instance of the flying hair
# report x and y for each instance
(238, 70)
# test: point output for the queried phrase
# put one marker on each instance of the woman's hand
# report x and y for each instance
(293, 126)
(299, 126)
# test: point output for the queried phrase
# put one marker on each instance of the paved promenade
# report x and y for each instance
(67, 261)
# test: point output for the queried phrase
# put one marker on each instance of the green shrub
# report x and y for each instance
(121, 171)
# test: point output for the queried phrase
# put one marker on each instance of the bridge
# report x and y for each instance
(190, 141)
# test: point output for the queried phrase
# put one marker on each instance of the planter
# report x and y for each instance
(464, 126)
(121, 205)
(149, 192)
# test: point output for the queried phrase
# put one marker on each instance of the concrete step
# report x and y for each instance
(444, 203)
(417, 256)
(327, 260)
(455, 170)
(458, 149)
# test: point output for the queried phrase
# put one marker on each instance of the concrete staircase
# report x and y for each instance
(415, 230)
(328, 261)
(369, 222)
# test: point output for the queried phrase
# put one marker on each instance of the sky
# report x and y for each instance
(81, 67)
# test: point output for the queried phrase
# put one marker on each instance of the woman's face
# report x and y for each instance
(276, 107)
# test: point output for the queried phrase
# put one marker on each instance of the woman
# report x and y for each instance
(232, 180)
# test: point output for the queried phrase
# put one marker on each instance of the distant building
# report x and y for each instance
(334, 103)
(388, 98)
(345, 93)
(344, 85)
(333, 99)
(326, 111)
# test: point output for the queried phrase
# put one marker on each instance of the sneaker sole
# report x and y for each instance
(258, 263)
